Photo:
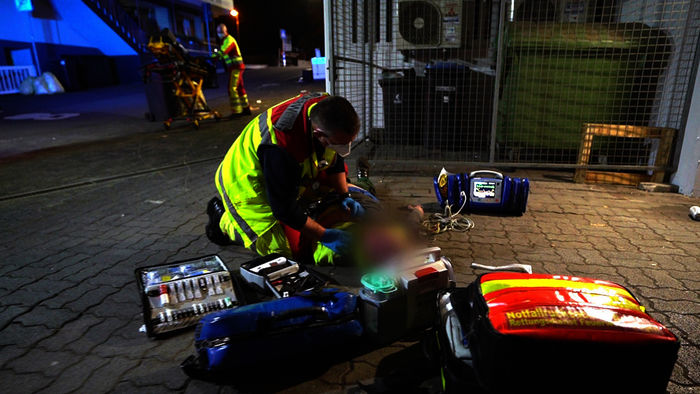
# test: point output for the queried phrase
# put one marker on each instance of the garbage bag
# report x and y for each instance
(52, 83)
(40, 86)
(27, 86)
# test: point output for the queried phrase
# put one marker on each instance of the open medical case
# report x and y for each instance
(281, 276)
(176, 295)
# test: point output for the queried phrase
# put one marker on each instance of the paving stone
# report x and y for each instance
(46, 288)
(91, 298)
(23, 383)
(590, 270)
(9, 353)
(40, 361)
(106, 377)
(662, 278)
(201, 387)
(74, 377)
(95, 335)
(131, 348)
(9, 313)
(176, 348)
(12, 284)
(685, 372)
(51, 318)
(674, 388)
(636, 276)
(67, 296)
(17, 334)
(152, 372)
(69, 333)
(568, 256)
(128, 312)
(327, 381)
(126, 387)
(681, 306)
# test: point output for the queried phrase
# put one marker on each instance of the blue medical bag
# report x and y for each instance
(274, 330)
(482, 191)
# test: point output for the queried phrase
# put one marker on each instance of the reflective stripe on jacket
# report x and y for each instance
(230, 52)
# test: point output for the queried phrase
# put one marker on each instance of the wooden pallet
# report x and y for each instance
(590, 130)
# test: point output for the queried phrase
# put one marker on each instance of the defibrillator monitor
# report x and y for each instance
(486, 187)
(483, 190)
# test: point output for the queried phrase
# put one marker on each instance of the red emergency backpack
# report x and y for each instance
(513, 332)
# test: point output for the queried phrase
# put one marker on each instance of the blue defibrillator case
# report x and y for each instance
(482, 191)
(450, 190)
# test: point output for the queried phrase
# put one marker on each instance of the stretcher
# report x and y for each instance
(186, 74)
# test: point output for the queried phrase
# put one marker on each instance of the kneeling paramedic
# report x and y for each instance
(288, 155)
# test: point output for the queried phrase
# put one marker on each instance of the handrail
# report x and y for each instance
(11, 77)
(112, 13)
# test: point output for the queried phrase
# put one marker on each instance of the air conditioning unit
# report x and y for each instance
(424, 24)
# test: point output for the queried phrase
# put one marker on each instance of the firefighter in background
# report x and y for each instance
(292, 151)
(230, 53)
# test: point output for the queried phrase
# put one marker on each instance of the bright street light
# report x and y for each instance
(234, 13)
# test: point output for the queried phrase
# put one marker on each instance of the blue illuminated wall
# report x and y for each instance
(76, 25)
(73, 43)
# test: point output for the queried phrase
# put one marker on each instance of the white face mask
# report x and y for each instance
(342, 150)
(220, 35)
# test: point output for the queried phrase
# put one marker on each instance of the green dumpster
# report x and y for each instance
(558, 76)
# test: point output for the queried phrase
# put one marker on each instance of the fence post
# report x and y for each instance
(370, 40)
(497, 80)
(328, 44)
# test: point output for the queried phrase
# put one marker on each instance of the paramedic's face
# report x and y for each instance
(221, 32)
(339, 142)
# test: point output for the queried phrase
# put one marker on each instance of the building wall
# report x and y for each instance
(72, 42)
(75, 25)
(688, 175)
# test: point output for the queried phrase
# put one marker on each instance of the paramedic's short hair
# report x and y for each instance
(335, 114)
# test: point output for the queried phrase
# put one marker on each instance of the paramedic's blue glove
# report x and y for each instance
(353, 206)
(336, 240)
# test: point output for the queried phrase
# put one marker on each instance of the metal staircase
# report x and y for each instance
(112, 13)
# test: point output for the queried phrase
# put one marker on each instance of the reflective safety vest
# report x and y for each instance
(231, 53)
(240, 177)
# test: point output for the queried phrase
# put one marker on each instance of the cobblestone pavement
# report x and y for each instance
(70, 313)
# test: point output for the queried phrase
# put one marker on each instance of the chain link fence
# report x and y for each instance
(512, 81)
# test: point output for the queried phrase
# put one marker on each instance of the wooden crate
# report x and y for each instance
(590, 130)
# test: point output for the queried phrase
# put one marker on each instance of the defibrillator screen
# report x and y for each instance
(484, 189)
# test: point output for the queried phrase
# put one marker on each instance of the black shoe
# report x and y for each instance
(246, 111)
(215, 210)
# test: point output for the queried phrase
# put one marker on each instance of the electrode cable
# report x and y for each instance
(438, 223)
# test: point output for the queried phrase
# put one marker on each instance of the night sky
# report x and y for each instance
(260, 22)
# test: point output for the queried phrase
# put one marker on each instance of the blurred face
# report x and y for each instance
(221, 31)
(339, 141)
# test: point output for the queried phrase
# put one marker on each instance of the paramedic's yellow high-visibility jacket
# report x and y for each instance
(231, 53)
(240, 177)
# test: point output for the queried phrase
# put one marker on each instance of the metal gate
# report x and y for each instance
(512, 82)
